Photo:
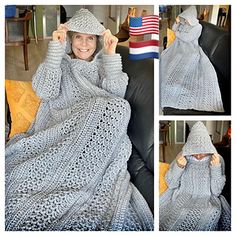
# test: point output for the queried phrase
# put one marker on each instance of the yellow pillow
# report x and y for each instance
(170, 37)
(163, 168)
(23, 104)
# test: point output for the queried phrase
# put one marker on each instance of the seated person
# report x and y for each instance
(193, 200)
(69, 170)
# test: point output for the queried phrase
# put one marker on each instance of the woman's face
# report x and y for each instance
(183, 21)
(84, 46)
(200, 156)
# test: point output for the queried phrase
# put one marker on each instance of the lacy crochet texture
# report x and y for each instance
(69, 171)
(188, 79)
(192, 201)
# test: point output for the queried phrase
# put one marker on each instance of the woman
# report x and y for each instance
(69, 171)
(188, 79)
(195, 180)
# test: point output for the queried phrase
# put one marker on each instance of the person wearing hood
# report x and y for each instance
(193, 200)
(69, 170)
(188, 79)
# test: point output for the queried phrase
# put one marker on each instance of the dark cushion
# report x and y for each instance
(140, 94)
(225, 152)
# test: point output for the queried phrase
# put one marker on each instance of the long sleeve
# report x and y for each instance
(173, 176)
(47, 79)
(175, 27)
(217, 179)
(191, 35)
(114, 80)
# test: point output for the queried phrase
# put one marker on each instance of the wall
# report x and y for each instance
(101, 12)
(121, 13)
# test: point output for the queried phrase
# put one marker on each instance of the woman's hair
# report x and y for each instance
(70, 35)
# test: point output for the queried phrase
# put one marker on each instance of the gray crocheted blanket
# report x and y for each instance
(188, 79)
(192, 201)
(69, 171)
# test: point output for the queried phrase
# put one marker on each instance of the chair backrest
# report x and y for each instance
(17, 30)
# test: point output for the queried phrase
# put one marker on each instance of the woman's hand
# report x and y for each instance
(181, 161)
(60, 33)
(215, 159)
(110, 42)
(177, 20)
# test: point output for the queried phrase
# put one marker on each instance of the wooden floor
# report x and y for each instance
(14, 60)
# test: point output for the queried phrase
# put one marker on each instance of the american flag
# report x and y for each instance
(144, 25)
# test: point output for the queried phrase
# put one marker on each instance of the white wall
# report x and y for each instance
(100, 11)
(121, 13)
(214, 14)
(71, 9)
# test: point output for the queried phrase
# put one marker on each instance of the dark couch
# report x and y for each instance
(225, 152)
(140, 94)
(216, 43)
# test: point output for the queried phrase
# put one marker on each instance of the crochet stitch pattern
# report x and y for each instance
(69, 170)
(188, 79)
(192, 201)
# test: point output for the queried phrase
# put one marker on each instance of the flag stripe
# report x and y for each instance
(141, 29)
(151, 17)
(144, 32)
(144, 56)
(144, 50)
(148, 24)
(152, 42)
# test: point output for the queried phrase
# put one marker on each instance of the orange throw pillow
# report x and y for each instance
(163, 168)
(23, 104)
(170, 37)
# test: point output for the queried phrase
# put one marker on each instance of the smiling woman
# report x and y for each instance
(69, 170)
(83, 46)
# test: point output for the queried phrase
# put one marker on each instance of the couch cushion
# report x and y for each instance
(163, 168)
(140, 94)
(23, 105)
(170, 37)
(216, 43)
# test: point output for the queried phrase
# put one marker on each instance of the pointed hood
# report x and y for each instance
(199, 141)
(86, 23)
(190, 14)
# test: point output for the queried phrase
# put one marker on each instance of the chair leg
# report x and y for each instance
(26, 57)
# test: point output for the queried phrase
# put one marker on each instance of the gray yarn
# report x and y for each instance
(84, 22)
(192, 201)
(188, 79)
(199, 141)
(69, 171)
(190, 14)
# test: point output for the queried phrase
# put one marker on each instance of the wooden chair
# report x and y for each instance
(164, 133)
(17, 33)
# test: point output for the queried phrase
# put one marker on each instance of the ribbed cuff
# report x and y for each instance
(216, 171)
(112, 64)
(177, 170)
(54, 54)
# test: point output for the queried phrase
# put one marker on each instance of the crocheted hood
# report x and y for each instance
(84, 22)
(198, 141)
(190, 14)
